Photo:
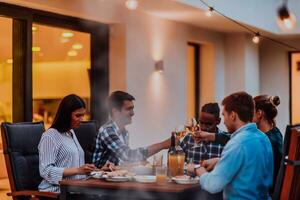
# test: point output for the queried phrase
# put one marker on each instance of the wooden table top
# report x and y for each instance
(169, 187)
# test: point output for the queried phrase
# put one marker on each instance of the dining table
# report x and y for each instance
(132, 190)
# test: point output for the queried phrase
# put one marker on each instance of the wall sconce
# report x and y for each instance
(159, 66)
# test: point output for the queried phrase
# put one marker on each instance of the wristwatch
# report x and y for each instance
(196, 167)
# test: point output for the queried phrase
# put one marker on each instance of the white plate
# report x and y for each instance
(97, 174)
(145, 179)
(186, 180)
(117, 178)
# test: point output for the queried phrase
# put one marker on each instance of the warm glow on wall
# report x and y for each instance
(157, 89)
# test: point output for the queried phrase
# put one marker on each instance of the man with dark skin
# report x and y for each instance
(203, 145)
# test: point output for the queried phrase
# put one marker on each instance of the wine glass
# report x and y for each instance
(198, 143)
(180, 132)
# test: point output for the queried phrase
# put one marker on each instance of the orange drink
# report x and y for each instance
(161, 174)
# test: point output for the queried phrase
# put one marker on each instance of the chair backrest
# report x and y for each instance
(20, 145)
(86, 135)
(288, 175)
(291, 182)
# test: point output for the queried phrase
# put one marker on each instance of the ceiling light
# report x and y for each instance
(64, 40)
(131, 4)
(77, 46)
(9, 61)
(34, 28)
(256, 38)
(209, 12)
(286, 20)
(67, 34)
(72, 53)
(36, 49)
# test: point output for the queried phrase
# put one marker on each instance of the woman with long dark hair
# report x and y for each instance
(264, 117)
(60, 153)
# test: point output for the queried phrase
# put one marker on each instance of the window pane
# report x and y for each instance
(5, 69)
(5, 85)
(61, 66)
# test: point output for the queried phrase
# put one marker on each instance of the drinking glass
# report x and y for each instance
(158, 160)
(161, 174)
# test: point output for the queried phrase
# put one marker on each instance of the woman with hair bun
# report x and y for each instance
(264, 117)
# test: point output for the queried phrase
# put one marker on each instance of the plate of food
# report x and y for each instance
(117, 178)
(186, 179)
(145, 178)
(97, 174)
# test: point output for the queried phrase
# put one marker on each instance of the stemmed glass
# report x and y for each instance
(198, 143)
(180, 132)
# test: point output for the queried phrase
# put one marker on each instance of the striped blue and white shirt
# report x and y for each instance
(58, 151)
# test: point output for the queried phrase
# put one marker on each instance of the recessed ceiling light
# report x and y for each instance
(64, 40)
(34, 28)
(36, 49)
(77, 46)
(72, 53)
(131, 4)
(67, 34)
(9, 61)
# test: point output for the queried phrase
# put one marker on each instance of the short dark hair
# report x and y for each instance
(62, 120)
(117, 98)
(211, 108)
(241, 103)
(268, 104)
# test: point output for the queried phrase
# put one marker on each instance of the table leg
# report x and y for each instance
(63, 193)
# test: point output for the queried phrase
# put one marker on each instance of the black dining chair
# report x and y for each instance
(86, 135)
(20, 145)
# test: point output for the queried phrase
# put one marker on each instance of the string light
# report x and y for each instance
(209, 12)
(256, 38)
(131, 4)
(286, 20)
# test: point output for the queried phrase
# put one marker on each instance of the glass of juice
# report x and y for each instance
(161, 174)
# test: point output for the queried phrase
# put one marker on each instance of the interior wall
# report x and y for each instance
(117, 57)
(208, 74)
(295, 84)
(48, 76)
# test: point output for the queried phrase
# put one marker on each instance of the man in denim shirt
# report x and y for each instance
(245, 169)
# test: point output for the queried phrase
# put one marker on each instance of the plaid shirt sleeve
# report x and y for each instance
(119, 149)
(222, 137)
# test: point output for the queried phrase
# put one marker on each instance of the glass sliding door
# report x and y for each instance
(5, 69)
(6, 62)
(61, 66)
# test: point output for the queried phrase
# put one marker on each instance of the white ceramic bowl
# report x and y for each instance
(145, 179)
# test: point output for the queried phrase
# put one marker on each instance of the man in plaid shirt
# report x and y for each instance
(209, 145)
(112, 138)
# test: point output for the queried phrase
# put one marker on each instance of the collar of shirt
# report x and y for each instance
(246, 126)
